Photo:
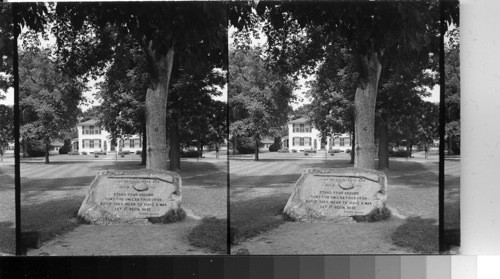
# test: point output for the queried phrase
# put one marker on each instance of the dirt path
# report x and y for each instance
(87, 240)
(412, 191)
(325, 238)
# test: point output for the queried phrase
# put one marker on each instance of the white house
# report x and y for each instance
(303, 136)
(92, 138)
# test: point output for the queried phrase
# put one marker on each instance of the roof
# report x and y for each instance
(267, 140)
(88, 122)
(57, 143)
(299, 120)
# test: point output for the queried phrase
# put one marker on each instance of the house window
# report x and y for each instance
(296, 141)
(307, 141)
(97, 142)
(91, 130)
(87, 143)
(301, 141)
(132, 145)
(341, 141)
(307, 128)
(97, 130)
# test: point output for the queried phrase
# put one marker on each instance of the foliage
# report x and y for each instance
(6, 124)
(6, 47)
(48, 98)
(66, 148)
(276, 145)
(192, 35)
(452, 91)
(36, 148)
(259, 96)
(246, 145)
(377, 35)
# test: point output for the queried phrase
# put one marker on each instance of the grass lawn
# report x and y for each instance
(7, 207)
(52, 193)
(452, 202)
(260, 190)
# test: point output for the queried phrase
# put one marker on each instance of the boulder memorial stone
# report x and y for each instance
(132, 196)
(336, 194)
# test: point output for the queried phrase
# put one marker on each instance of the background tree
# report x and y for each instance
(375, 32)
(194, 33)
(258, 96)
(122, 94)
(452, 92)
(191, 110)
(6, 48)
(48, 99)
(6, 127)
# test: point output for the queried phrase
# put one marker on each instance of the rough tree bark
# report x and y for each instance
(156, 114)
(364, 107)
(383, 141)
(175, 155)
(353, 146)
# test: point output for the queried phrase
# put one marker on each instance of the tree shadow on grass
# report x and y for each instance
(7, 238)
(263, 181)
(51, 184)
(51, 218)
(255, 216)
(211, 234)
(420, 235)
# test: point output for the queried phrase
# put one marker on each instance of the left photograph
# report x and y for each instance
(7, 172)
(123, 129)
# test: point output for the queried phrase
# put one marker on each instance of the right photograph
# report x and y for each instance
(336, 127)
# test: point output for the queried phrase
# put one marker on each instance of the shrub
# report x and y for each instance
(189, 154)
(84, 153)
(138, 152)
(348, 150)
(73, 152)
(246, 145)
(399, 153)
(274, 147)
(284, 150)
(36, 148)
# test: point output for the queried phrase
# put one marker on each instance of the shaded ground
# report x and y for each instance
(452, 202)
(52, 195)
(7, 207)
(260, 190)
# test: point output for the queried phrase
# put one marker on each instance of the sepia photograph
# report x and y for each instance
(334, 134)
(123, 128)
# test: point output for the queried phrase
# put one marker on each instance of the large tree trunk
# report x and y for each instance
(256, 147)
(383, 141)
(156, 114)
(144, 145)
(364, 106)
(47, 146)
(175, 155)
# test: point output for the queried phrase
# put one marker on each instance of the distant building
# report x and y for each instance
(303, 136)
(92, 138)
(266, 142)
